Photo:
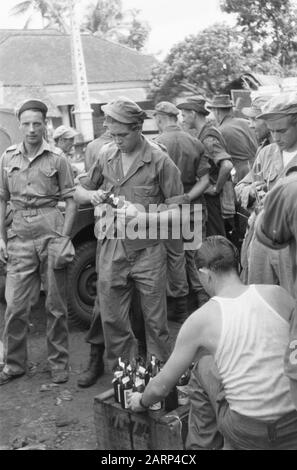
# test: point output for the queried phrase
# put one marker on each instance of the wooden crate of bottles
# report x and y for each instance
(122, 429)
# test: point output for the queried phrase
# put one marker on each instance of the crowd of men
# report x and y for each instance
(244, 324)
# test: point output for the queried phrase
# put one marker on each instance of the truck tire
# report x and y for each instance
(82, 284)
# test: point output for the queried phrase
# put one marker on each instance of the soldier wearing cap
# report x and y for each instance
(64, 138)
(219, 195)
(273, 163)
(36, 246)
(187, 152)
(259, 125)
(140, 172)
(249, 190)
(240, 139)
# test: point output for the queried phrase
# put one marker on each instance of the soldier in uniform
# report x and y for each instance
(140, 171)
(188, 154)
(34, 176)
(64, 139)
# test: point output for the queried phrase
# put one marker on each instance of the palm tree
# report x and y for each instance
(107, 18)
(51, 12)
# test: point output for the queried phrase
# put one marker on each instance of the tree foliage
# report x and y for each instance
(108, 19)
(206, 61)
(52, 12)
(270, 25)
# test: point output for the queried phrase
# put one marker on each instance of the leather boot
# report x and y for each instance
(95, 367)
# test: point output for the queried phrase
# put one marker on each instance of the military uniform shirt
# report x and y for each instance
(39, 183)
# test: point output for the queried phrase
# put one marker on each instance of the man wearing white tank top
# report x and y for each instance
(241, 397)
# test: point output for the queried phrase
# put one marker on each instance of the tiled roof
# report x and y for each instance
(35, 57)
(15, 96)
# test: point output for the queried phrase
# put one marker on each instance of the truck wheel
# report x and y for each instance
(82, 279)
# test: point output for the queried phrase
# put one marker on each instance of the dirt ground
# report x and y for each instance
(36, 414)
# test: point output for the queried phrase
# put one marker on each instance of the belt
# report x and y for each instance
(36, 211)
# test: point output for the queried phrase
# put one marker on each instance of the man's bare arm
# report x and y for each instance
(188, 341)
(70, 213)
(199, 188)
(224, 172)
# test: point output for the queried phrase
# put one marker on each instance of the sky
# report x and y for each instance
(170, 20)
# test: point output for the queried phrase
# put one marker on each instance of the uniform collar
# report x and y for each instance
(45, 147)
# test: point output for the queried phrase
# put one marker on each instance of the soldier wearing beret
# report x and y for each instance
(36, 246)
(188, 154)
(141, 172)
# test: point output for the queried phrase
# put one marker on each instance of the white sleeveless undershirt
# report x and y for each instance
(250, 356)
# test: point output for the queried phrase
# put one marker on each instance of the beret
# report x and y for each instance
(32, 104)
(279, 106)
(165, 107)
(124, 110)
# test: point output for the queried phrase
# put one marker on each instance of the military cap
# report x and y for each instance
(194, 103)
(256, 108)
(32, 104)
(124, 110)
(280, 105)
(165, 107)
(64, 131)
(220, 101)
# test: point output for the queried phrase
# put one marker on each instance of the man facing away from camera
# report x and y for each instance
(240, 395)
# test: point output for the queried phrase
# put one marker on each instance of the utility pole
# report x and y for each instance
(83, 110)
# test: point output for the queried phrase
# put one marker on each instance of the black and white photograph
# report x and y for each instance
(148, 228)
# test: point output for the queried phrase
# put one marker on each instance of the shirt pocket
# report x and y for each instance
(13, 178)
(146, 195)
(47, 182)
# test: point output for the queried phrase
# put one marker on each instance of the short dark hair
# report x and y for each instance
(217, 254)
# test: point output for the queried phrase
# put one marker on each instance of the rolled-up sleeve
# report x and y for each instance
(65, 178)
(215, 150)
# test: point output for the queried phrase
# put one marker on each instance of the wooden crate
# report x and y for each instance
(119, 429)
